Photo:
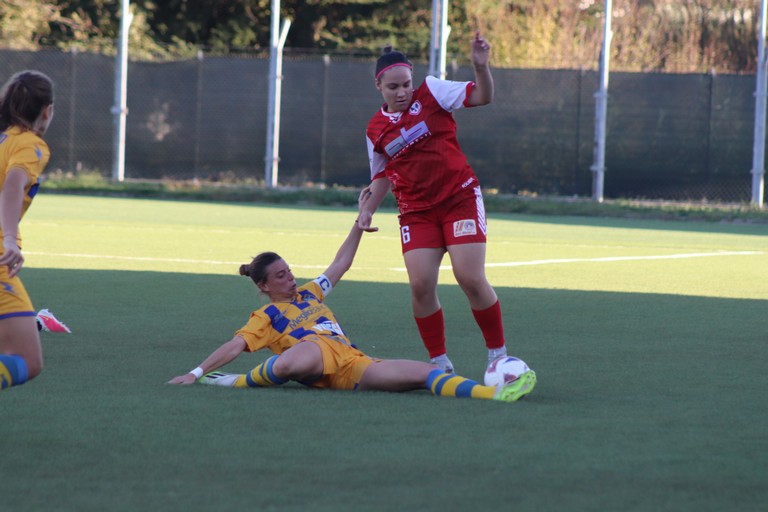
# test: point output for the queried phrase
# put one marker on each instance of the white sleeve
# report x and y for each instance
(376, 160)
(450, 95)
(324, 283)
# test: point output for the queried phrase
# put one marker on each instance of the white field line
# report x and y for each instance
(613, 258)
(149, 258)
(402, 269)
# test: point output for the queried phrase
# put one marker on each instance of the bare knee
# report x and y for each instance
(421, 290)
(34, 366)
(288, 368)
(477, 289)
(300, 362)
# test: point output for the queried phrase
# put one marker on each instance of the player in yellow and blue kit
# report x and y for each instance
(310, 346)
(26, 110)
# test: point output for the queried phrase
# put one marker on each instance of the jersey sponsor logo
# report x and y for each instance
(407, 138)
(415, 108)
(466, 227)
(306, 314)
(38, 152)
(7, 287)
(467, 183)
(328, 327)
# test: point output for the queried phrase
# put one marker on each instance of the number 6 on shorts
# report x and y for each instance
(405, 234)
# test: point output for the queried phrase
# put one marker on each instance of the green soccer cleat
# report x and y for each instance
(516, 390)
(219, 379)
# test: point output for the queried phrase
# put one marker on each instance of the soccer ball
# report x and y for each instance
(504, 370)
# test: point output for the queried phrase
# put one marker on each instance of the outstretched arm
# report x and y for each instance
(346, 253)
(482, 94)
(218, 358)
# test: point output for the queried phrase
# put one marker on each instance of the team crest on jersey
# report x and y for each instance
(415, 108)
(466, 227)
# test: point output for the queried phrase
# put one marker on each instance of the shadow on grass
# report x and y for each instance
(649, 399)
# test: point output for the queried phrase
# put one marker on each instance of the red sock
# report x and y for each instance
(432, 331)
(490, 323)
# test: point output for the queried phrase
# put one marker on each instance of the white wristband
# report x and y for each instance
(197, 372)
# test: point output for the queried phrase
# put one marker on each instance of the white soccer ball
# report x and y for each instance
(504, 370)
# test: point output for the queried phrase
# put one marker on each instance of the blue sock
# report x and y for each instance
(13, 371)
(261, 376)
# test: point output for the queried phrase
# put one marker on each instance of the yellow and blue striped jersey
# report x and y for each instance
(25, 150)
(280, 325)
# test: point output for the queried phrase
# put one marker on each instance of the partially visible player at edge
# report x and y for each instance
(413, 149)
(310, 346)
(26, 111)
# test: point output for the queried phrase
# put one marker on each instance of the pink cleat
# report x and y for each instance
(49, 323)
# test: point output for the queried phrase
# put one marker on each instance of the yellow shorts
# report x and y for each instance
(343, 365)
(14, 300)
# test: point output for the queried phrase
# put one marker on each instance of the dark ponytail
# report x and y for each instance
(390, 57)
(257, 268)
(23, 98)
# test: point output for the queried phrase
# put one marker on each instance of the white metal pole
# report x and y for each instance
(120, 108)
(445, 30)
(439, 38)
(276, 108)
(270, 163)
(434, 43)
(758, 153)
(601, 109)
(444, 46)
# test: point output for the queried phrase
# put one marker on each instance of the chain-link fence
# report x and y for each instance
(669, 136)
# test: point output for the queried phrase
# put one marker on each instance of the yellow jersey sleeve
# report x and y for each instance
(256, 332)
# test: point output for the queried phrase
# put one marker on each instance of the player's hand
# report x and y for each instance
(365, 218)
(481, 50)
(185, 379)
(363, 198)
(12, 257)
(364, 223)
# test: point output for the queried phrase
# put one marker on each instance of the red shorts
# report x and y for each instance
(455, 222)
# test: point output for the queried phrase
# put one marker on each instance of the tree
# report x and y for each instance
(658, 35)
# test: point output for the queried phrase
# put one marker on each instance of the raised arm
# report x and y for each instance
(346, 253)
(226, 353)
(482, 94)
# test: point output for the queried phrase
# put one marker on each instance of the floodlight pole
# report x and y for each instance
(601, 109)
(758, 153)
(272, 153)
(439, 38)
(120, 108)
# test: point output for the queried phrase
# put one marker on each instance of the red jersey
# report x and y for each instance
(417, 150)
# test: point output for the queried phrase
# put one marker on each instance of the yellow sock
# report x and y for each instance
(261, 376)
(448, 384)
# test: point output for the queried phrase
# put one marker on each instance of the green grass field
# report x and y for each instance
(650, 340)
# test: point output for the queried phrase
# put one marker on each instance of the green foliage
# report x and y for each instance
(658, 35)
(24, 23)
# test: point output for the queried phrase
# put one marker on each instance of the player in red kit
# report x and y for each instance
(413, 150)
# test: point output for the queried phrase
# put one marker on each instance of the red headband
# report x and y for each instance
(392, 66)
